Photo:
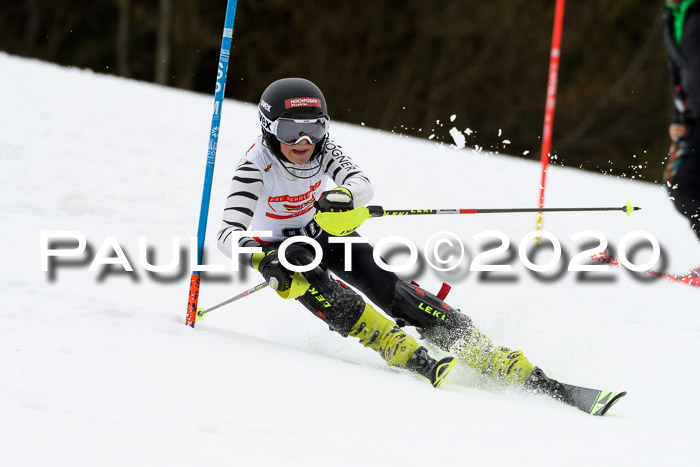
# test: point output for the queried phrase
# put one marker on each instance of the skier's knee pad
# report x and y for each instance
(299, 254)
(441, 324)
(334, 302)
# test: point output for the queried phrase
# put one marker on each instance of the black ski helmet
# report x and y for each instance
(295, 98)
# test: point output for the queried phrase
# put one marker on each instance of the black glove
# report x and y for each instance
(335, 200)
(268, 264)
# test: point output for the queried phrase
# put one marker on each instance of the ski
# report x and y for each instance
(692, 278)
(591, 401)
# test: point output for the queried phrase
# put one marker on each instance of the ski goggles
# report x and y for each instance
(293, 131)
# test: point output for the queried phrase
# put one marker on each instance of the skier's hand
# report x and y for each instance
(268, 264)
(335, 200)
(675, 131)
(286, 283)
(335, 213)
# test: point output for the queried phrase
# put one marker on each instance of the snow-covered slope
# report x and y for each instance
(99, 369)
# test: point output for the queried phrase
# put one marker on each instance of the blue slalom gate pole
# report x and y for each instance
(224, 55)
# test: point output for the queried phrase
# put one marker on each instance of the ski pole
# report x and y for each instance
(201, 311)
(378, 211)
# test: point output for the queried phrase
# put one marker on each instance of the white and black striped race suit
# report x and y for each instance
(266, 195)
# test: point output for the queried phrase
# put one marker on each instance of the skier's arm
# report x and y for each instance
(676, 92)
(346, 174)
(246, 186)
(341, 210)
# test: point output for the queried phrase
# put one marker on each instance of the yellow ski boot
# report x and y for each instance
(501, 363)
(397, 348)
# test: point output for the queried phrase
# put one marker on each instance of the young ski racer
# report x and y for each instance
(280, 186)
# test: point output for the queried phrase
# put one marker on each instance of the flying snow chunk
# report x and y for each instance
(453, 117)
(458, 137)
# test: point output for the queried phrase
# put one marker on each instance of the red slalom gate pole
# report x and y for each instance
(550, 102)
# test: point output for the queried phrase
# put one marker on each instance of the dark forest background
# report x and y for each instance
(396, 65)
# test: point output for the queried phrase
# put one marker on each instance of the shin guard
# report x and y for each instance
(332, 301)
